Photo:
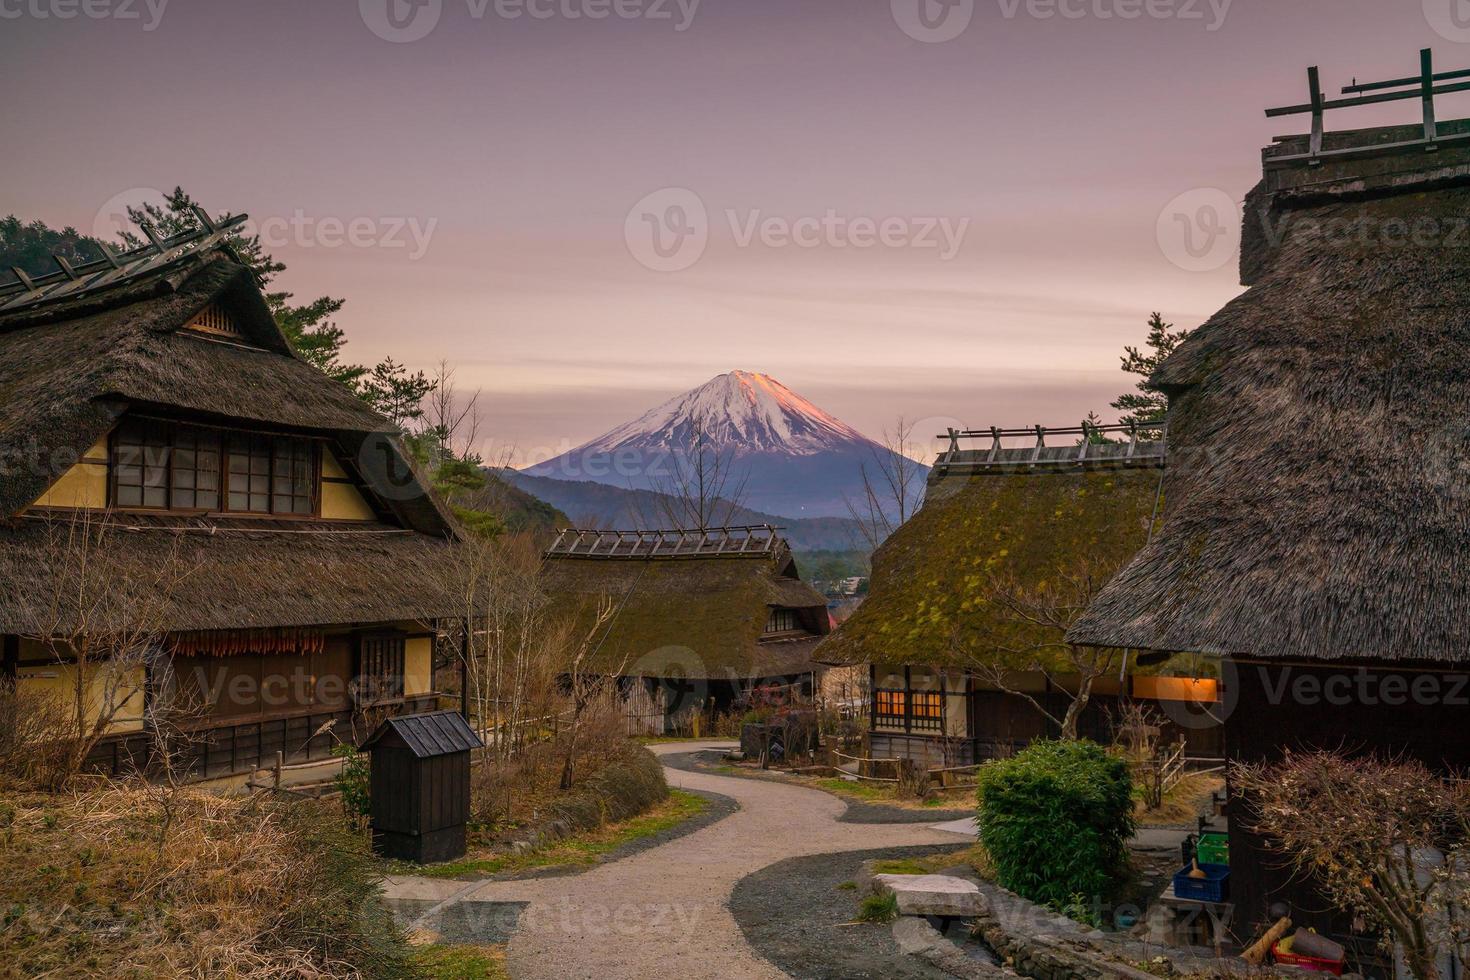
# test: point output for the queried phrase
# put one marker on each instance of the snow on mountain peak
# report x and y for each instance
(743, 411)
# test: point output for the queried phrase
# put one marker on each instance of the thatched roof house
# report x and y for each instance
(997, 522)
(157, 430)
(1031, 525)
(1315, 502)
(1316, 525)
(723, 610)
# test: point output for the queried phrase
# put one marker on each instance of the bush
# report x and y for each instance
(1056, 820)
(354, 782)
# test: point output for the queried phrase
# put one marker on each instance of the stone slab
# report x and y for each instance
(932, 895)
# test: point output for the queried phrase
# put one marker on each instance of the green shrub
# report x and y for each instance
(1056, 820)
(354, 781)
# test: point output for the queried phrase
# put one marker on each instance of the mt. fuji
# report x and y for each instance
(790, 457)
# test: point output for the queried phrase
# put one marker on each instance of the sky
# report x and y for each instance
(954, 211)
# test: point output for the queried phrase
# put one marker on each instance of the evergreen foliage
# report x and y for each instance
(1056, 819)
(1148, 404)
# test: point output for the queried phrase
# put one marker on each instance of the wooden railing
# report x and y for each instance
(723, 541)
(1086, 445)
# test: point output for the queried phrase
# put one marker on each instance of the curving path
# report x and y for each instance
(664, 913)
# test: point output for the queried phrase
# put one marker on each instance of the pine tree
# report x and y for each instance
(309, 328)
(1148, 404)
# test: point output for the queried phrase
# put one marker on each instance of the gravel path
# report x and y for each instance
(665, 913)
(858, 811)
(796, 915)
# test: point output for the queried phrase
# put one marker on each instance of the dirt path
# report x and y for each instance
(665, 913)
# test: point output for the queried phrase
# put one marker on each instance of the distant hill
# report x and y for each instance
(521, 511)
(599, 506)
(790, 457)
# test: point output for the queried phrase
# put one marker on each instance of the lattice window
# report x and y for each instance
(781, 621)
(196, 474)
(140, 464)
(158, 465)
(380, 669)
(928, 710)
(250, 474)
(889, 707)
(214, 319)
(293, 472)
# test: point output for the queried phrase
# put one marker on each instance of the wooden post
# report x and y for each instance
(276, 778)
(1426, 70)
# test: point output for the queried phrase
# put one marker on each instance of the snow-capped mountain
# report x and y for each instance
(790, 457)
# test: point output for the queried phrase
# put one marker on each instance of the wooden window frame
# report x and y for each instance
(775, 616)
(375, 682)
(891, 698)
(902, 704)
(226, 439)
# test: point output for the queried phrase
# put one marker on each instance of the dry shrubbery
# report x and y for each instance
(37, 739)
(247, 888)
(517, 788)
(1384, 839)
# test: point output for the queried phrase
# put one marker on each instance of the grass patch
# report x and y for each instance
(872, 792)
(973, 857)
(878, 908)
(887, 794)
(847, 886)
(1189, 798)
(582, 850)
(461, 962)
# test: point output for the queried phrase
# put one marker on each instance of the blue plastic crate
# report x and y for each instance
(1214, 887)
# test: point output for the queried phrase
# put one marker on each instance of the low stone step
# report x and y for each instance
(939, 895)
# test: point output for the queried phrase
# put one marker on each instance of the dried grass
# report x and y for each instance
(255, 889)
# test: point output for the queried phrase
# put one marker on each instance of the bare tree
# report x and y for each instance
(451, 418)
(1387, 840)
(893, 485)
(104, 615)
(702, 488)
(1040, 616)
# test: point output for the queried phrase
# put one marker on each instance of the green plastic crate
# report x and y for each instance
(1213, 849)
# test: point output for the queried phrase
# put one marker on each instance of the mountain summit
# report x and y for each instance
(792, 458)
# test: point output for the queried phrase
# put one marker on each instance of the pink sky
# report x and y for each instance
(519, 147)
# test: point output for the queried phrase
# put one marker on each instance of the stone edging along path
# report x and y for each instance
(665, 912)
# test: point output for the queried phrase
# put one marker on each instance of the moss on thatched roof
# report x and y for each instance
(697, 617)
(932, 581)
(220, 574)
(1316, 499)
(68, 371)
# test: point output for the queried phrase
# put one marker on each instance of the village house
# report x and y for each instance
(694, 619)
(1316, 522)
(171, 470)
(960, 670)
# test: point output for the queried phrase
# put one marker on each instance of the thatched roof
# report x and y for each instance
(1316, 496)
(935, 581)
(217, 575)
(691, 617)
(68, 369)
